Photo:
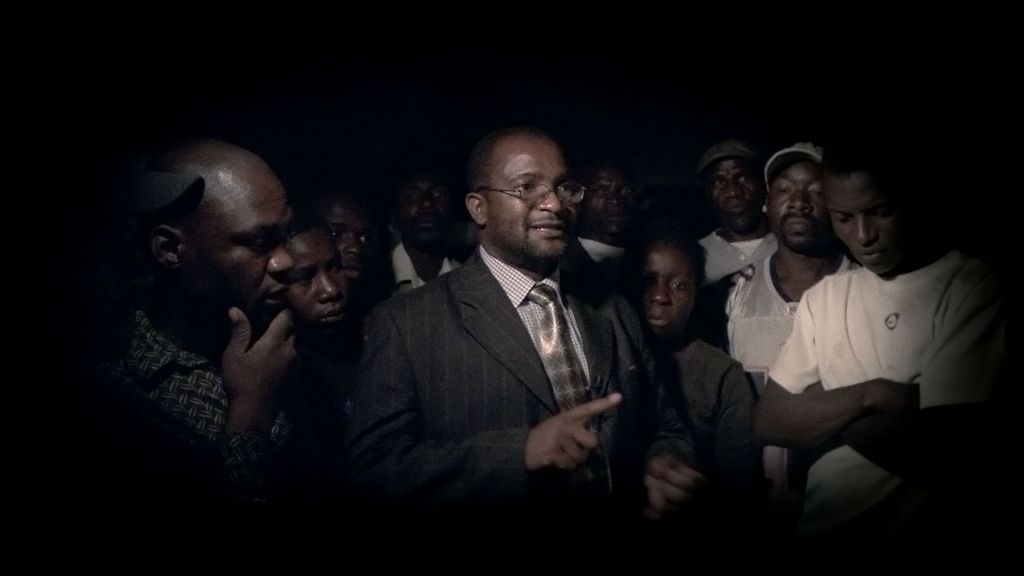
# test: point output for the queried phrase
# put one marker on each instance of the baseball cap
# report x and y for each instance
(731, 148)
(786, 156)
(145, 191)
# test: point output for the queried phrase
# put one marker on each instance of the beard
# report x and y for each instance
(743, 223)
(816, 239)
(536, 255)
(537, 258)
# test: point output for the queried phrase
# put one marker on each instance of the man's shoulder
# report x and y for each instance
(968, 269)
(740, 286)
(145, 351)
(437, 293)
(712, 240)
(968, 280)
(837, 283)
(427, 296)
(607, 303)
(713, 362)
(614, 309)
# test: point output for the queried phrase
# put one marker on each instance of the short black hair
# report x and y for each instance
(672, 232)
(591, 166)
(851, 156)
(659, 230)
(480, 157)
(306, 218)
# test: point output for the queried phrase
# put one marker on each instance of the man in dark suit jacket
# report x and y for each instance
(455, 411)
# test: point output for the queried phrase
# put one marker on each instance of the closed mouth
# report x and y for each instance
(332, 317)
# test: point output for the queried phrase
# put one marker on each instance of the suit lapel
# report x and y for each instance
(492, 321)
(598, 344)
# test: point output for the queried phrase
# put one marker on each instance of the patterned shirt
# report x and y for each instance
(517, 286)
(183, 394)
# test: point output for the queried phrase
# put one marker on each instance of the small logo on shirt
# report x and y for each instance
(891, 320)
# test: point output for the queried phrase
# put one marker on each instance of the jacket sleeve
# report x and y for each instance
(389, 458)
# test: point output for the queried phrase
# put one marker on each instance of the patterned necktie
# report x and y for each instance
(568, 381)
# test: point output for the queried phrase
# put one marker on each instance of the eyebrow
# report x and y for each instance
(261, 230)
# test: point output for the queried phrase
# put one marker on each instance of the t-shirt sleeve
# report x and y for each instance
(966, 355)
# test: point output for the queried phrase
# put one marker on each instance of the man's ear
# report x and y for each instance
(476, 205)
(167, 245)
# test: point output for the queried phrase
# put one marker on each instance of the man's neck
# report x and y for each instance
(536, 274)
(202, 332)
(760, 231)
(918, 259)
(607, 239)
(793, 273)
(340, 347)
(426, 261)
(601, 250)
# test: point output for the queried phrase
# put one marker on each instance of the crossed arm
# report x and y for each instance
(881, 420)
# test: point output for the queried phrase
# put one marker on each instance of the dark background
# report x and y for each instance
(358, 113)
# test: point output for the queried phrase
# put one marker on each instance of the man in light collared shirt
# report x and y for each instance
(422, 215)
(606, 214)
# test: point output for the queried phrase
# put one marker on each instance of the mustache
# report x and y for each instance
(554, 220)
(810, 220)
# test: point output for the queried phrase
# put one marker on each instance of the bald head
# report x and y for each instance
(229, 250)
(227, 170)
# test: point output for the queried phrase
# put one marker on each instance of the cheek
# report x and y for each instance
(254, 268)
(512, 226)
(302, 303)
(648, 302)
(817, 201)
(406, 214)
(683, 306)
(841, 230)
(888, 232)
(247, 277)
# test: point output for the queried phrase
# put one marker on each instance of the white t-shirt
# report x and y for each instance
(941, 326)
(760, 319)
(405, 273)
(724, 257)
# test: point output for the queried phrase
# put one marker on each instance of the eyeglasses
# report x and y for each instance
(567, 192)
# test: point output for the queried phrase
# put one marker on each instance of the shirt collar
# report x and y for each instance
(515, 283)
